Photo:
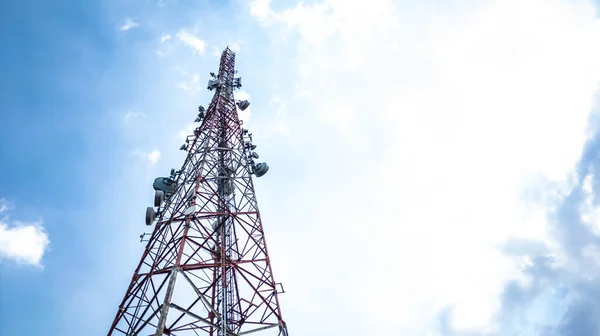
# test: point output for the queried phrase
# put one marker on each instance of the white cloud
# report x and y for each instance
(129, 24)
(153, 156)
(261, 9)
(129, 116)
(4, 205)
(192, 41)
(590, 213)
(24, 243)
(279, 123)
(192, 85)
(453, 111)
(164, 38)
(165, 49)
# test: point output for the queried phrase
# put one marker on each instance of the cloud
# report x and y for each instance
(192, 85)
(153, 156)
(4, 205)
(129, 116)
(23, 243)
(443, 118)
(192, 41)
(279, 122)
(164, 38)
(165, 48)
(261, 9)
(560, 294)
(128, 24)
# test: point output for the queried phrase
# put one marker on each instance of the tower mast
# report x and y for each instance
(206, 268)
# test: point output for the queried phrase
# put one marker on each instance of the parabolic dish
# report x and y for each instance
(190, 210)
(190, 193)
(150, 214)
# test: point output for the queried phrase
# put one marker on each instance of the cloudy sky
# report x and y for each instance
(433, 163)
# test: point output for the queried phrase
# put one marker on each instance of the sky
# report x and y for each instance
(433, 163)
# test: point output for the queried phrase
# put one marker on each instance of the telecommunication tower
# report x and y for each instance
(206, 269)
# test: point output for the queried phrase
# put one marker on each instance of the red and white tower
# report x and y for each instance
(206, 269)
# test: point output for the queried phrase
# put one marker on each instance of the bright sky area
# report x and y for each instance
(433, 163)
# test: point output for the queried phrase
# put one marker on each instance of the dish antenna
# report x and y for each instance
(243, 104)
(213, 84)
(261, 169)
(165, 184)
(150, 215)
(189, 194)
(159, 198)
(237, 82)
(201, 111)
(190, 210)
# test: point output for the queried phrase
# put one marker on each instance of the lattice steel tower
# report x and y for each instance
(206, 269)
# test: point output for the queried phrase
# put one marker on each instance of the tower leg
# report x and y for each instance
(164, 310)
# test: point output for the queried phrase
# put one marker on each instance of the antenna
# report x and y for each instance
(143, 237)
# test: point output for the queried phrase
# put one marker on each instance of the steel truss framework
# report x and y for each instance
(207, 272)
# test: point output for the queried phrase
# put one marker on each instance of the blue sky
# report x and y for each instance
(433, 167)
